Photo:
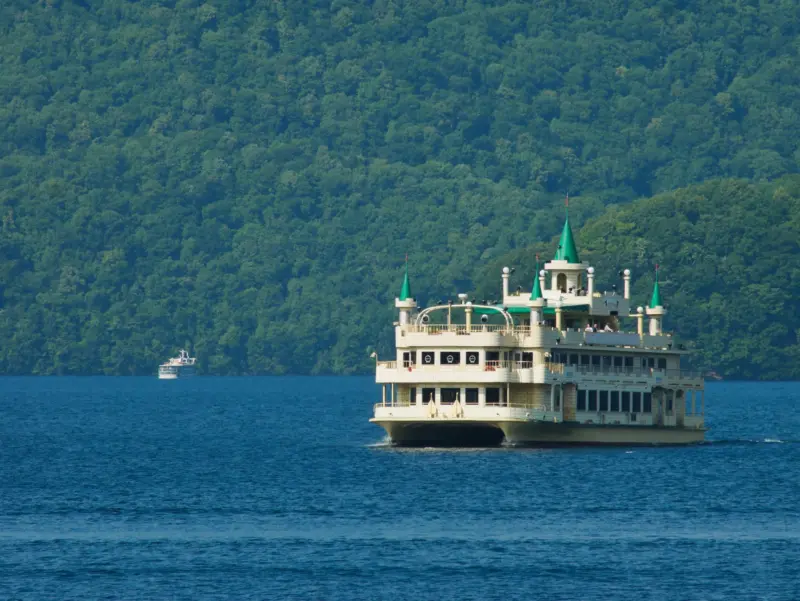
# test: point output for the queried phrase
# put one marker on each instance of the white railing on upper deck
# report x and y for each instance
(624, 370)
(553, 368)
(574, 335)
(462, 329)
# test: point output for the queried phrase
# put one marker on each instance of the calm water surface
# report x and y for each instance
(279, 488)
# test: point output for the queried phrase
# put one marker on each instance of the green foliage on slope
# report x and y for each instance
(729, 253)
(244, 178)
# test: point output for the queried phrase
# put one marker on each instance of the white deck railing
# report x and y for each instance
(552, 368)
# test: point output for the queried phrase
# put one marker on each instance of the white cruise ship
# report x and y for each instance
(549, 366)
(181, 366)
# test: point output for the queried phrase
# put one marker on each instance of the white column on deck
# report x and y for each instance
(558, 318)
(383, 394)
(392, 385)
(506, 275)
(590, 281)
(552, 397)
(626, 286)
(468, 316)
(482, 397)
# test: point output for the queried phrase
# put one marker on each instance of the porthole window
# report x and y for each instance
(450, 358)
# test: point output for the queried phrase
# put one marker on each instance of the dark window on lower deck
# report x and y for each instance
(449, 358)
(626, 402)
(596, 360)
(628, 361)
(492, 396)
(617, 361)
(592, 400)
(573, 359)
(586, 359)
(493, 355)
(412, 396)
(647, 402)
(615, 400)
(471, 395)
(637, 402)
(428, 395)
(604, 400)
(449, 395)
(581, 400)
(662, 363)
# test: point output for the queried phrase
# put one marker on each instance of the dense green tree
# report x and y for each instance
(245, 178)
(729, 258)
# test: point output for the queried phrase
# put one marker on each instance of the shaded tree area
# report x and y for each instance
(244, 179)
(729, 256)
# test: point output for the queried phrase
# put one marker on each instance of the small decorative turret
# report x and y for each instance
(506, 275)
(567, 251)
(566, 269)
(405, 302)
(536, 302)
(655, 310)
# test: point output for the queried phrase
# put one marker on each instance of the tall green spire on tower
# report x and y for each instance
(536, 291)
(405, 291)
(655, 299)
(566, 244)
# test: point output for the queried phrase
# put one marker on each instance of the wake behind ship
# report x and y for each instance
(552, 366)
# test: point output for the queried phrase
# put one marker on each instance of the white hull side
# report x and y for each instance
(180, 375)
(588, 434)
(460, 432)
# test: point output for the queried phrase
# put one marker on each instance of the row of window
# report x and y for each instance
(586, 359)
(494, 396)
(617, 401)
(583, 359)
(448, 357)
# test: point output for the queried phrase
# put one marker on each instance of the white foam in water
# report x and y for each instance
(386, 442)
(773, 440)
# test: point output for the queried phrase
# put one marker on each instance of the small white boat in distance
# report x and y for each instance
(181, 366)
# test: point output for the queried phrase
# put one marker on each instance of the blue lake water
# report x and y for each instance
(280, 488)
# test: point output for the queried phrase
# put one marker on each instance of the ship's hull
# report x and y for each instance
(464, 433)
(176, 374)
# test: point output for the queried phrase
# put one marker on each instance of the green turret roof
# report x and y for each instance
(405, 291)
(655, 299)
(536, 292)
(566, 245)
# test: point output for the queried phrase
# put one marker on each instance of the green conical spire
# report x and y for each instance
(405, 291)
(566, 244)
(536, 292)
(655, 299)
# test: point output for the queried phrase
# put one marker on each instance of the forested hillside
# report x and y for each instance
(729, 256)
(244, 178)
